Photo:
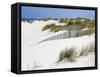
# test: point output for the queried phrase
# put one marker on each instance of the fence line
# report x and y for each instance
(64, 35)
(69, 34)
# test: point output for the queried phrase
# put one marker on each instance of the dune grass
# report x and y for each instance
(86, 50)
(68, 54)
(52, 28)
(46, 27)
(55, 28)
(71, 54)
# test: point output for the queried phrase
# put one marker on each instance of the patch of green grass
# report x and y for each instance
(87, 23)
(52, 28)
(48, 27)
(55, 28)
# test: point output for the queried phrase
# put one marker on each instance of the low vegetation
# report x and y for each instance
(73, 22)
(85, 23)
(47, 27)
(55, 28)
(71, 54)
(52, 28)
(68, 54)
(86, 50)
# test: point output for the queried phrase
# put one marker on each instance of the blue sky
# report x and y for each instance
(41, 12)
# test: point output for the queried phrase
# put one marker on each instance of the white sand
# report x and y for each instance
(46, 54)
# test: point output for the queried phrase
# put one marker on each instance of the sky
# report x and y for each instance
(42, 12)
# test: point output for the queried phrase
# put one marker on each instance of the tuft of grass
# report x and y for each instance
(46, 27)
(68, 54)
(71, 54)
(86, 50)
(92, 47)
(52, 28)
(55, 28)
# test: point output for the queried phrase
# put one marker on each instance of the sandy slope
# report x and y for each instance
(46, 54)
